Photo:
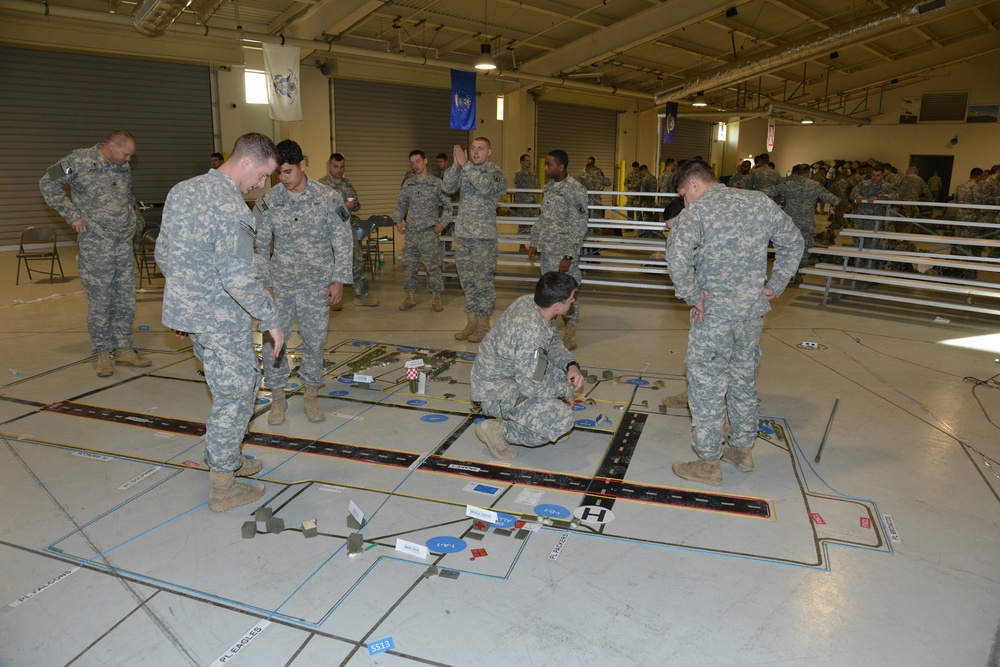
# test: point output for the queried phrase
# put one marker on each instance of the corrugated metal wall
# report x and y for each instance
(692, 137)
(377, 125)
(55, 103)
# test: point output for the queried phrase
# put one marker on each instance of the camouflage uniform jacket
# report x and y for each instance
(738, 180)
(562, 226)
(344, 189)
(800, 199)
(719, 244)
(866, 190)
(633, 183)
(911, 187)
(205, 250)
(419, 199)
(593, 180)
(525, 180)
(312, 238)
(667, 182)
(839, 188)
(510, 353)
(968, 193)
(761, 178)
(481, 188)
(101, 193)
(989, 193)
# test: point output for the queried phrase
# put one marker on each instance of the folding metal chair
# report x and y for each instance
(38, 236)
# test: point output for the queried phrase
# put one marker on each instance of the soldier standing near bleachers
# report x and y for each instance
(305, 274)
(762, 177)
(633, 183)
(561, 229)
(480, 184)
(427, 210)
(968, 193)
(335, 179)
(101, 210)
(911, 188)
(205, 250)
(525, 179)
(800, 195)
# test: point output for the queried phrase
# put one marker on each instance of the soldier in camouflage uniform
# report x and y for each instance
(481, 184)
(649, 184)
(101, 210)
(800, 196)
(968, 193)
(762, 177)
(911, 188)
(335, 179)
(523, 374)
(739, 179)
(525, 179)
(633, 183)
(840, 188)
(864, 195)
(427, 210)
(561, 230)
(934, 184)
(205, 250)
(717, 253)
(593, 180)
(305, 273)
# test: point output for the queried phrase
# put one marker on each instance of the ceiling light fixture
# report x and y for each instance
(485, 61)
(699, 101)
(807, 121)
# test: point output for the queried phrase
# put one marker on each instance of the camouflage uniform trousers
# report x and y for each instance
(872, 244)
(232, 376)
(358, 271)
(307, 304)
(722, 358)
(476, 261)
(107, 271)
(808, 230)
(422, 246)
(962, 231)
(550, 262)
(534, 421)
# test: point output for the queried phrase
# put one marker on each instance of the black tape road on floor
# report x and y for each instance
(601, 489)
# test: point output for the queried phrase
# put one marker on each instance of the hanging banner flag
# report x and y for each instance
(670, 123)
(770, 135)
(281, 69)
(463, 100)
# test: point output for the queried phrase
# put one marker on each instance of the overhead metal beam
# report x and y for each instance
(646, 26)
(329, 16)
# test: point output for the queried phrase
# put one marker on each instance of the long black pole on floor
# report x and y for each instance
(822, 442)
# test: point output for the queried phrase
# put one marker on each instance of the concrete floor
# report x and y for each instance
(157, 579)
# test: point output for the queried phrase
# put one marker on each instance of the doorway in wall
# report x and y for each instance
(926, 166)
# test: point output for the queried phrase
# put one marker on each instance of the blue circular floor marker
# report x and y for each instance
(261, 401)
(345, 380)
(579, 406)
(553, 511)
(416, 402)
(504, 521)
(445, 544)
(765, 429)
(434, 418)
(293, 385)
(468, 357)
(338, 392)
(407, 350)
(478, 419)
(586, 422)
(638, 381)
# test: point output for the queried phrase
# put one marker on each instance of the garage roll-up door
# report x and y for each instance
(581, 132)
(377, 125)
(55, 103)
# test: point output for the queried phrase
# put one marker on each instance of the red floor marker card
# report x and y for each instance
(817, 518)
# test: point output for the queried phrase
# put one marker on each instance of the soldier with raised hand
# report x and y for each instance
(335, 179)
(717, 253)
(101, 209)
(305, 273)
(800, 195)
(206, 252)
(523, 375)
(427, 211)
(561, 230)
(480, 185)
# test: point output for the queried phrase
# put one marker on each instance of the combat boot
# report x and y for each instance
(226, 493)
(706, 472)
(741, 457)
(313, 411)
(408, 302)
(337, 306)
(104, 368)
(276, 415)
(470, 326)
(675, 402)
(249, 468)
(482, 327)
(436, 302)
(490, 433)
(569, 338)
(366, 300)
(129, 357)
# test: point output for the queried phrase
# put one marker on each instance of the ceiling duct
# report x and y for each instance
(912, 13)
(153, 17)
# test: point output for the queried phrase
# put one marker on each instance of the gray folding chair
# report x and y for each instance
(38, 236)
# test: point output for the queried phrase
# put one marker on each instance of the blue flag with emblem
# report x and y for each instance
(670, 123)
(463, 100)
